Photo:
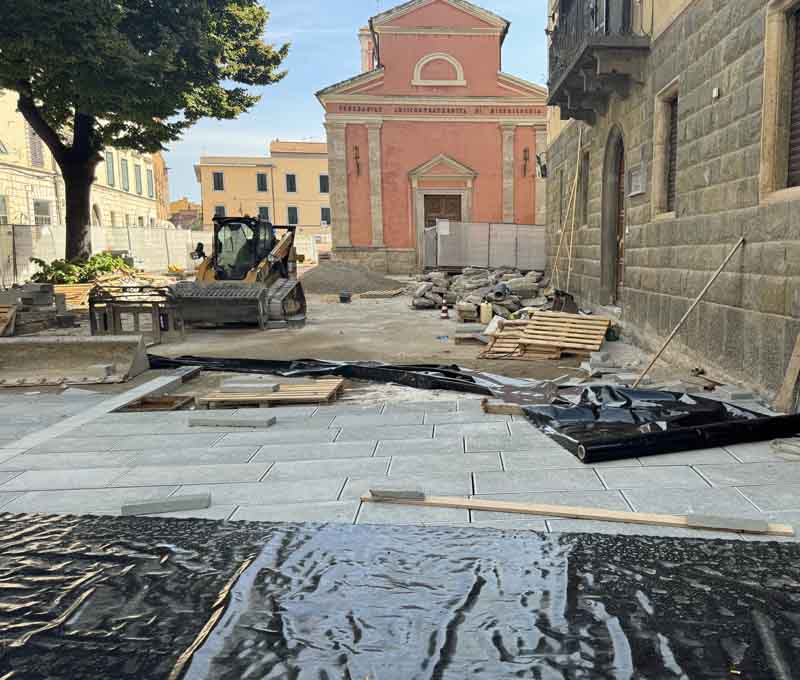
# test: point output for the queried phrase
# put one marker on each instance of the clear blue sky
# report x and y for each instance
(325, 50)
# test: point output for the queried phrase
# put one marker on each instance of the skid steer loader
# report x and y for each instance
(250, 277)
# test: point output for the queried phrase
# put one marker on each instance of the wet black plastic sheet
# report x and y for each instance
(151, 598)
(595, 423)
(603, 423)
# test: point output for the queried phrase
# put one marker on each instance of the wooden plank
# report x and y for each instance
(8, 315)
(499, 408)
(318, 392)
(563, 345)
(786, 399)
(566, 315)
(569, 512)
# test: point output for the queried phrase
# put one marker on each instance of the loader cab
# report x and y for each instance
(240, 244)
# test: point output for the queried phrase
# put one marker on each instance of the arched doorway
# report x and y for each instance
(612, 258)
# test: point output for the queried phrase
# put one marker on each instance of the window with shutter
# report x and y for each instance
(291, 184)
(137, 178)
(672, 155)
(793, 179)
(3, 211)
(36, 148)
(261, 181)
(111, 179)
(263, 213)
(41, 213)
(219, 181)
(324, 184)
(293, 216)
(126, 180)
(326, 215)
(219, 211)
(151, 184)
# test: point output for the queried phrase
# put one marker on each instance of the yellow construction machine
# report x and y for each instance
(250, 277)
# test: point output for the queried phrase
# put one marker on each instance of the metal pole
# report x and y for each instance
(690, 310)
(14, 252)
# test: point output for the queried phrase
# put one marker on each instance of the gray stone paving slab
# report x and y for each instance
(455, 484)
(420, 447)
(268, 493)
(68, 461)
(478, 443)
(6, 498)
(191, 474)
(322, 469)
(267, 437)
(577, 526)
(281, 452)
(751, 474)
(382, 513)
(464, 418)
(403, 466)
(540, 460)
(725, 502)
(354, 433)
(654, 478)
(774, 498)
(700, 457)
(84, 415)
(42, 480)
(604, 500)
(8, 454)
(85, 501)
(345, 409)
(410, 418)
(759, 452)
(489, 430)
(517, 523)
(336, 512)
(470, 405)
(567, 479)
(182, 427)
(170, 442)
(226, 456)
(75, 445)
(432, 406)
(524, 428)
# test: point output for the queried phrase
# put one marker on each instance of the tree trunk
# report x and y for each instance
(78, 181)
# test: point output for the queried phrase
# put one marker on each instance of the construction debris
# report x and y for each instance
(734, 525)
(37, 308)
(8, 316)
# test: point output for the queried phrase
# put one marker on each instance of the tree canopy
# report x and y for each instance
(129, 73)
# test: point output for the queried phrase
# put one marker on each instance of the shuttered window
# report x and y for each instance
(794, 122)
(36, 148)
(672, 155)
(293, 215)
(261, 181)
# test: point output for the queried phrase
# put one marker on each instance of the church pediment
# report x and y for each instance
(443, 166)
(439, 14)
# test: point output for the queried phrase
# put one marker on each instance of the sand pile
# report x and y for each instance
(336, 277)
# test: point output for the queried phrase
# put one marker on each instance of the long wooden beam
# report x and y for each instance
(573, 512)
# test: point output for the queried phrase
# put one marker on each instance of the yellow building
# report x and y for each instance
(130, 188)
(291, 186)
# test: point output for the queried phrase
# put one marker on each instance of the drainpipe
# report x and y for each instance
(272, 185)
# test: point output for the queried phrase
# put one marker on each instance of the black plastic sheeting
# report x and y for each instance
(602, 423)
(595, 423)
(87, 598)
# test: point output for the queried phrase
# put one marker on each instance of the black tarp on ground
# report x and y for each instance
(151, 598)
(595, 423)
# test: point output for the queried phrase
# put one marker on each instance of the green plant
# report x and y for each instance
(79, 271)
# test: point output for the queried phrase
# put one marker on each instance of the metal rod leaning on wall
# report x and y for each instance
(574, 210)
(570, 207)
(689, 311)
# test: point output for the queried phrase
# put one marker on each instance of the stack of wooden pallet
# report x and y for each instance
(382, 294)
(548, 335)
(320, 391)
(77, 295)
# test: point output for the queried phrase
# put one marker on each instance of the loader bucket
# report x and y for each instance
(66, 360)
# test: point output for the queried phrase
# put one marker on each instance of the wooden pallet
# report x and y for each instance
(77, 295)
(8, 315)
(566, 332)
(322, 391)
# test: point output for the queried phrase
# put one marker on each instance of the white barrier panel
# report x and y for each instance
(477, 244)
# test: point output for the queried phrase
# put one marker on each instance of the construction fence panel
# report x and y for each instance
(152, 249)
(480, 244)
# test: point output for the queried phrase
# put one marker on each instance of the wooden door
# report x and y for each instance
(442, 208)
(620, 222)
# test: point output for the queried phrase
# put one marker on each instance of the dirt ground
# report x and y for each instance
(366, 330)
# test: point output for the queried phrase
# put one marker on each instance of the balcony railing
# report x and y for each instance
(583, 28)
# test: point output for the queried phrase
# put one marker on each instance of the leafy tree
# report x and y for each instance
(128, 73)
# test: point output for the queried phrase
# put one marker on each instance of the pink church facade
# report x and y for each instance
(431, 129)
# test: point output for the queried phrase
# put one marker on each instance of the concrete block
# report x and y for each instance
(732, 393)
(173, 504)
(233, 423)
(599, 357)
(247, 386)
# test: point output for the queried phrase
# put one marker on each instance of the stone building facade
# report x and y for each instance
(431, 129)
(680, 157)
